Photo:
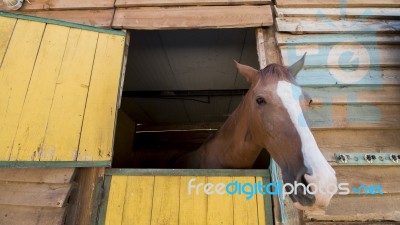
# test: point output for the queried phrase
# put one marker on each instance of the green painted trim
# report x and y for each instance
(358, 159)
(61, 23)
(103, 205)
(188, 172)
(46, 164)
(269, 215)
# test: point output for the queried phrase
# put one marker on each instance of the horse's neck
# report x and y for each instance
(232, 146)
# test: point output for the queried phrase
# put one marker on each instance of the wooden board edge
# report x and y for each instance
(189, 172)
(61, 23)
(50, 164)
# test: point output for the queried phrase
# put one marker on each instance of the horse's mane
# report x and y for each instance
(276, 71)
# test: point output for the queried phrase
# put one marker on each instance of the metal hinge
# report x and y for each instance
(362, 159)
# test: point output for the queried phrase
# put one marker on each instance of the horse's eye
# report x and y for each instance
(261, 101)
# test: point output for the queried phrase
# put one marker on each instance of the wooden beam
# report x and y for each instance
(364, 13)
(34, 194)
(21, 215)
(38, 175)
(267, 49)
(152, 18)
(360, 208)
(96, 18)
(314, 25)
(337, 3)
(83, 203)
(333, 39)
(141, 3)
(39, 5)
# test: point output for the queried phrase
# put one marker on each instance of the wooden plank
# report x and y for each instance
(365, 140)
(34, 194)
(166, 200)
(220, 207)
(69, 99)
(315, 25)
(355, 176)
(334, 76)
(192, 17)
(189, 172)
(370, 13)
(98, 127)
(38, 101)
(354, 116)
(24, 44)
(261, 210)
(139, 200)
(6, 30)
(353, 94)
(350, 223)
(361, 208)
(96, 18)
(140, 3)
(59, 4)
(82, 201)
(338, 3)
(332, 39)
(193, 206)
(116, 200)
(38, 175)
(244, 208)
(334, 56)
(20, 215)
(267, 49)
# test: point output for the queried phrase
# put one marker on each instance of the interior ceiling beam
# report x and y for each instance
(183, 94)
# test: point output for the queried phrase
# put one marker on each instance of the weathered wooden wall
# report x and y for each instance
(155, 14)
(361, 111)
(32, 196)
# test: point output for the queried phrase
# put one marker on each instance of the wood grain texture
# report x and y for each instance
(38, 175)
(313, 25)
(244, 207)
(96, 18)
(21, 215)
(116, 200)
(192, 207)
(83, 197)
(370, 13)
(34, 194)
(216, 214)
(329, 56)
(361, 208)
(166, 200)
(337, 3)
(6, 29)
(332, 39)
(24, 44)
(140, 3)
(97, 136)
(69, 99)
(32, 124)
(267, 49)
(355, 176)
(261, 210)
(354, 116)
(139, 200)
(332, 141)
(192, 17)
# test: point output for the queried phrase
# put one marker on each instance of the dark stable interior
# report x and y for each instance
(180, 86)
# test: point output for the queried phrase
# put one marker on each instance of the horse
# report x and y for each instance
(270, 117)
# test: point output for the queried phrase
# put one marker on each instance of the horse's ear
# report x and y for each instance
(248, 72)
(297, 66)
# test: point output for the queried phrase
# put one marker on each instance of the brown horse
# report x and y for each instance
(270, 117)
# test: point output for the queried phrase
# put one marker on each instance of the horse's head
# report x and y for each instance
(276, 122)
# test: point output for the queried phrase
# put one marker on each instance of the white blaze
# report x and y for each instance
(322, 173)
